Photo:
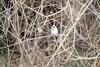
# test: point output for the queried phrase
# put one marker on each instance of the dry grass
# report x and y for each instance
(26, 40)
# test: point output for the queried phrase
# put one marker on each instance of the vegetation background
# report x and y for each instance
(26, 40)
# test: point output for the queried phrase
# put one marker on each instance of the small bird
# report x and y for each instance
(54, 30)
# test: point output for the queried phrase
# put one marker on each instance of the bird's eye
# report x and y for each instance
(53, 26)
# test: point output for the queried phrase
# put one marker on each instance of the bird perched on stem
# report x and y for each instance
(54, 30)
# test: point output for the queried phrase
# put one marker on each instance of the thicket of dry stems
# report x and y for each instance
(26, 40)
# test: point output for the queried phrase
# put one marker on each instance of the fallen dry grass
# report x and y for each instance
(26, 39)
